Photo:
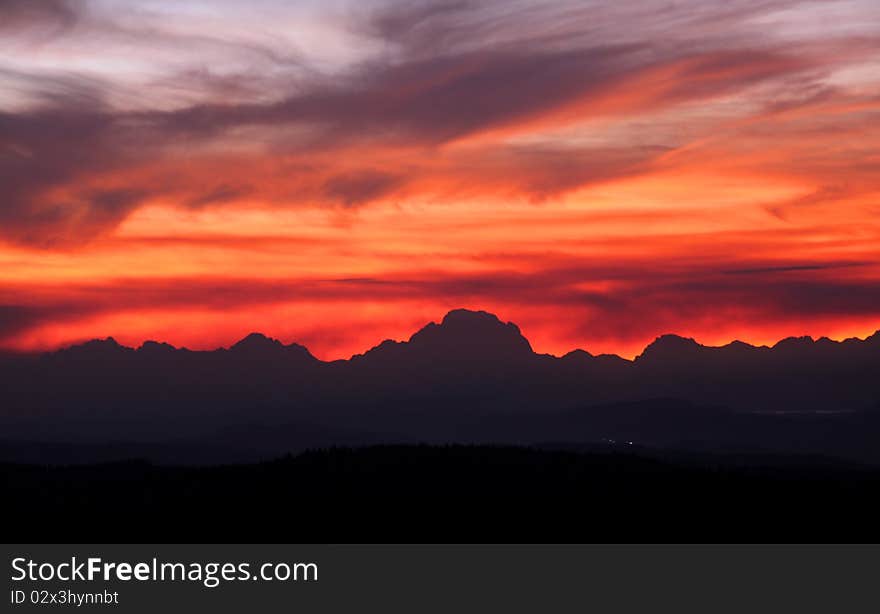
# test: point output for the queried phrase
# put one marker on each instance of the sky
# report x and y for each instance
(335, 173)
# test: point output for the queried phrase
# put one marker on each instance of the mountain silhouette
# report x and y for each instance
(476, 339)
(471, 378)
(471, 335)
(95, 349)
(259, 347)
(671, 351)
(155, 348)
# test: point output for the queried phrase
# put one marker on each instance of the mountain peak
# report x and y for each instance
(577, 355)
(669, 347)
(156, 347)
(95, 347)
(257, 342)
(462, 336)
(790, 343)
(458, 317)
(258, 345)
(473, 333)
(738, 345)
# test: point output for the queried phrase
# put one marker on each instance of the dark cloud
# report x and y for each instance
(43, 151)
(460, 69)
(355, 188)
(645, 299)
(542, 172)
(222, 193)
(54, 15)
(823, 195)
(794, 268)
(15, 318)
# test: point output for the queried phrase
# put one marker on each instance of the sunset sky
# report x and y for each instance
(339, 172)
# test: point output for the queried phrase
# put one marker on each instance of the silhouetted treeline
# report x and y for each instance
(457, 493)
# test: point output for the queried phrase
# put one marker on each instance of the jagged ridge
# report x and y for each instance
(478, 334)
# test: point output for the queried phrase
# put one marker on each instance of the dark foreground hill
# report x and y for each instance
(468, 379)
(449, 494)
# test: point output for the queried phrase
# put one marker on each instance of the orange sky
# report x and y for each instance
(340, 176)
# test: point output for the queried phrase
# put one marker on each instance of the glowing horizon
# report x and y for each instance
(136, 342)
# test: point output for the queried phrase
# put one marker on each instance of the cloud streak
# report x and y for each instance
(602, 303)
(472, 78)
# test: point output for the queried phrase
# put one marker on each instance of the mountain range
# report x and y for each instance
(469, 379)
